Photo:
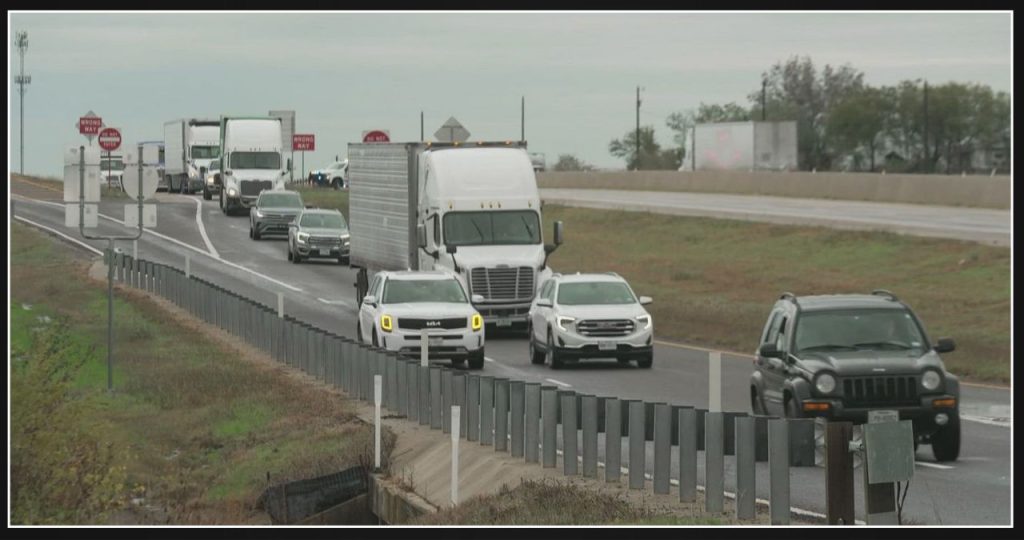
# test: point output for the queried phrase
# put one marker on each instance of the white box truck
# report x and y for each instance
(470, 208)
(190, 145)
(153, 155)
(251, 160)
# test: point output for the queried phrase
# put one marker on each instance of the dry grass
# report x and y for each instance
(204, 426)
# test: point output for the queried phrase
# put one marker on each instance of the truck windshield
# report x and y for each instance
(205, 152)
(594, 293)
(280, 200)
(491, 228)
(323, 221)
(255, 160)
(853, 329)
(112, 164)
(401, 291)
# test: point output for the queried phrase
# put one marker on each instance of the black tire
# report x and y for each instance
(536, 357)
(646, 362)
(556, 359)
(222, 208)
(946, 441)
(207, 195)
(250, 232)
(336, 183)
(459, 363)
(256, 234)
(755, 402)
(341, 260)
(477, 360)
(359, 330)
(373, 337)
(289, 252)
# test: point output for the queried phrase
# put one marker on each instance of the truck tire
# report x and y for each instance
(222, 208)
(946, 441)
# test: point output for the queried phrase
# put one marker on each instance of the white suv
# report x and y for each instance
(400, 306)
(590, 316)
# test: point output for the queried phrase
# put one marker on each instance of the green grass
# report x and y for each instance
(715, 280)
(323, 197)
(196, 427)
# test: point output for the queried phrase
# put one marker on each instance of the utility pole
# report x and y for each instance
(421, 127)
(522, 119)
(637, 165)
(22, 80)
(764, 93)
(927, 154)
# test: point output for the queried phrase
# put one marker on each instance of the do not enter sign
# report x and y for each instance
(376, 135)
(110, 139)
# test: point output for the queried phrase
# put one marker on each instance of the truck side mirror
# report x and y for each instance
(944, 345)
(421, 235)
(559, 227)
(451, 248)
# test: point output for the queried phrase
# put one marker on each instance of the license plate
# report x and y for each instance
(606, 346)
(503, 322)
(435, 341)
(325, 252)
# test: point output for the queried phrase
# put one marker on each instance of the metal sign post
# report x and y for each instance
(110, 252)
(377, 391)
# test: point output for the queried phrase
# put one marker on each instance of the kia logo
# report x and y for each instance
(433, 323)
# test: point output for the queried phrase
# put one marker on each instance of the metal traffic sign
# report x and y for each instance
(150, 176)
(110, 139)
(89, 124)
(71, 176)
(303, 142)
(376, 135)
(452, 131)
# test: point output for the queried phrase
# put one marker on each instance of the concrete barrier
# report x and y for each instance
(933, 189)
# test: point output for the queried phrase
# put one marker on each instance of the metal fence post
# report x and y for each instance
(839, 482)
(531, 426)
(588, 405)
(745, 469)
(426, 384)
(486, 410)
(687, 455)
(637, 445)
(436, 401)
(569, 435)
(447, 390)
(517, 426)
(501, 408)
(392, 384)
(473, 406)
(549, 422)
(778, 465)
(714, 462)
(662, 447)
(459, 384)
(612, 440)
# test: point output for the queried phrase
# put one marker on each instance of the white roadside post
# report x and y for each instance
(424, 349)
(280, 305)
(715, 382)
(455, 454)
(377, 384)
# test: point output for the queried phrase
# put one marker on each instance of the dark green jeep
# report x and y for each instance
(839, 356)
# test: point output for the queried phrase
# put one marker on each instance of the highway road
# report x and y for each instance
(973, 490)
(975, 224)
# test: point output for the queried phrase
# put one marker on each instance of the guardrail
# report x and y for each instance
(524, 419)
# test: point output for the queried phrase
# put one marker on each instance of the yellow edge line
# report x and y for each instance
(750, 356)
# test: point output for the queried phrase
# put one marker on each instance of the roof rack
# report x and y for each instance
(883, 292)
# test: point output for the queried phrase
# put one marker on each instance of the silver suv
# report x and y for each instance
(273, 212)
(318, 232)
(590, 316)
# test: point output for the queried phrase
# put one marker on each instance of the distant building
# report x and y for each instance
(745, 146)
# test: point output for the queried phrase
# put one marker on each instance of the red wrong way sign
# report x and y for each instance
(89, 125)
(303, 142)
(110, 139)
(376, 135)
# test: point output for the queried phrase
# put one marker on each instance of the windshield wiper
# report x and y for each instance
(829, 346)
(896, 344)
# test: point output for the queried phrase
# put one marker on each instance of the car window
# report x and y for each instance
(780, 338)
(326, 221)
(892, 329)
(280, 200)
(372, 291)
(594, 293)
(545, 289)
(401, 291)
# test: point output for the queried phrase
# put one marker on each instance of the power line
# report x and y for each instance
(22, 80)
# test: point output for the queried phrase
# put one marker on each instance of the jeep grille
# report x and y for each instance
(859, 391)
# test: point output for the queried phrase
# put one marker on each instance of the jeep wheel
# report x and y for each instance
(552, 354)
(646, 362)
(946, 441)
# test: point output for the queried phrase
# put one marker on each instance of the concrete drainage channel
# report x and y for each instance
(514, 417)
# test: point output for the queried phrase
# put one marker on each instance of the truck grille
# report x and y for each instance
(605, 328)
(254, 187)
(419, 324)
(503, 283)
(880, 391)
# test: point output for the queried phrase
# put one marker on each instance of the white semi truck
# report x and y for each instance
(190, 145)
(251, 160)
(470, 208)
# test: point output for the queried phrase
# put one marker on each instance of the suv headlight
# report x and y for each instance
(931, 379)
(385, 323)
(563, 320)
(257, 212)
(344, 239)
(645, 320)
(477, 322)
(302, 237)
(825, 383)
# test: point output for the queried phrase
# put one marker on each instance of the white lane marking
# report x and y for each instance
(345, 303)
(193, 248)
(933, 465)
(559, 383)
(54, 231)
(202, 229)
(999, 422)
(728, 494)
(487, 359)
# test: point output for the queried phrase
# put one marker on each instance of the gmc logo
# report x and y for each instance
(433, 323)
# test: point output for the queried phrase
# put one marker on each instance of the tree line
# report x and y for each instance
(845, 124)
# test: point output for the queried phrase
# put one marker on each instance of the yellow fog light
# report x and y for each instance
(478, 322)
(385, 323)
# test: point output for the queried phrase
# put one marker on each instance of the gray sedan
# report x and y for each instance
(318, 233)
(273, 211)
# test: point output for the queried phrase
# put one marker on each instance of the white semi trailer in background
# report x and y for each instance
(190, 145)
(251, 160)
(470, 208)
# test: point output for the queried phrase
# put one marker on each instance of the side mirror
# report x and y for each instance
(544, 302)
(477, 298)
(559, 227)
(945, 345)
(421, 235)
(769, 350)
(451, 248)
(370, 300)
(644, 300)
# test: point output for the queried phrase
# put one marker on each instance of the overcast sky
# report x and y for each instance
(344, 73)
